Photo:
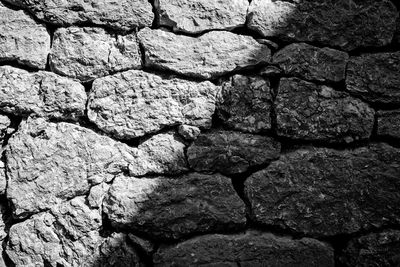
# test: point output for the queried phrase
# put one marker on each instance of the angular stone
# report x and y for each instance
(211, 55)
(144, 245)
(136, 103)
(89, 53)
(389, 123)
(121, 15)
(4, 124)
(312, 63)
(325, 192)
(245, 104)
(231, 152)
(189, 132)
(96, 195)
(312, 112)
(22, 39)
(249, 249)
(166, 208)
(375, 77)
(202, 15)
(336, 23)
(42, 93)
(3, 180)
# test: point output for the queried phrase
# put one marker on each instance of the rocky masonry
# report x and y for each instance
(199, 133)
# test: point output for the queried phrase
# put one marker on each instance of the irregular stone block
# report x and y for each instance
(375, 77)
(136, 103)
(5, 122)
(389, 123)
(312, 63)
(211, 55)
(231, 152)
(96, 195)
(312, 112)
(89, 53)
(325, 192)
(3, 179)
(336, 23)
(189, 132)
(249, 249)
(166, 208)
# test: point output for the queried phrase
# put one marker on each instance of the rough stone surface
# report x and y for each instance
(22, 39)
(211, 55)
(3, 233)
(375, 77)
(123, 15)
(89, 53)
(245, 104)
(231, 152)
(4, 124)
(41, 93)
(144, 245)
(201, 15)
(189, 132)
(247, 250)
(135, 103)
(312, 112)
(389, 123)
(336, 23)
(312, 63)
(166, 208)
(3, 180)
(324, 192)
(96, 195)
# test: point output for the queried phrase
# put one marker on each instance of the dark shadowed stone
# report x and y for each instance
(308, 111)
(325, 192)
(5, 123)
(396, 37)
(3, 180)
(189, 132)
(389, 123)
(166, 208)
(231, 152)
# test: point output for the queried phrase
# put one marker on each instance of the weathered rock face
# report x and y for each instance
(89, 53)
(245, 104)
(345, 24)
(189, 132)
(211, 55)
(231, 152)
(3, 180)
(375, 77)
(389, 123)
(201, 15)
(42, 93)
(249, 249)
(312, 112)
(121, 15)
(135, 103)
(312, 63)
(22, 39)
(167, 208)
(5, 122)
(324, 192)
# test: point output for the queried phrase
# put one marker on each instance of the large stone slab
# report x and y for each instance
(174, 208)
(389, 123)
(336, 23)
(211, 55)
(136, 103)
(308, 111)
(326, 192)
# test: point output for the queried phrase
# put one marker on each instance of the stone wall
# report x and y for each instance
(200, 133)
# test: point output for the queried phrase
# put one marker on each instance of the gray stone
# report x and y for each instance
(42, 93)
(336, 23)
(249, 249)
(4, 124)
(312, 63)
(211, 55)
(3, 179)
(136, 103)
(96, 195)
(231, 152)
(22, 39)
(144, 245)
(189, 132)
(375, 77)
(202, 15)
(166, 208)
(326, 192)
(312, 112)
(389, 123)
(89, 53)
(270, 71)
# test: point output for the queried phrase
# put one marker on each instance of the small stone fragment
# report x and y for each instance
(89, 53)
(165, 208)
(270, 71)
(4, 124)
(144, 245)
(97, 194)
(312, 112)
(231, 152)
(189, 132)
(3, 179)
(209, 56)
(389, 123)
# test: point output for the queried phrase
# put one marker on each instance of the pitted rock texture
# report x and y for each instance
(136, 103)
(3, 180)
(249, 249)
(189, 132)
(89, 53)
(389, 123)
(335, 23)
(209, 56)
(122, 15)
(308, 111)
(174, 208)
(325, 192)
(202, 15)
(5, 122)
